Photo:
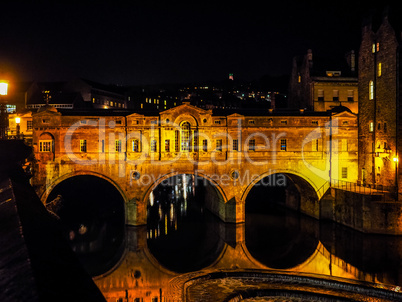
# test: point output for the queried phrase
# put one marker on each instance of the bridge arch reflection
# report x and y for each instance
(91, 211)
(274, 235)
(181, 233)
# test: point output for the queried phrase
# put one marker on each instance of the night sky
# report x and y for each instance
(149, 42)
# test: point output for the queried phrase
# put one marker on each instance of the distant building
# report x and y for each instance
(380, 120)
(321, 84)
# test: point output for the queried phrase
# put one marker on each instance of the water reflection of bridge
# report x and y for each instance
(139, 275)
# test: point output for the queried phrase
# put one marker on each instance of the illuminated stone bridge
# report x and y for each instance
(232, 152)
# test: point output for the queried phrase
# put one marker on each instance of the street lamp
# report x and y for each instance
(17, 122)
(396, 160)
(3, 109)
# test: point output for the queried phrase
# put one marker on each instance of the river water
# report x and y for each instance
(182, 236)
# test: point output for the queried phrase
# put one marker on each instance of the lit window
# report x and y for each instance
(373, 48)
(167, 145)
(219, 145)
(299, 78)
(235, 145)
(185, 137)
(379, 69)
(378, 47)
(371, 90)
(371, 127)
(136, 145)
(83, 145)
(283, 145)
(176, 140)
(45, 146)
(117, 145)
(251, 145)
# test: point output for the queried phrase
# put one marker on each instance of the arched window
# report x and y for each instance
(186, 137)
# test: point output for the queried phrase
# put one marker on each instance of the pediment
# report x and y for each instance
(345, 114)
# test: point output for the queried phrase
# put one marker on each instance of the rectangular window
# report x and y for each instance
(167, 145)
(320, 95)
(205, 145)
(83, 145)
(219, 145)
(344, 172)
(344, 145)
(371, 90)
(153, 145)
(176, 140)
(136, 145)
(235, 145)
(29, 125)
(335, 95)
(379, 69)
(195, 140)
(117, 145)
(251, 145)
(217, 122)
(385, 127)
(351, 95)
(379, 126)
(45, 146)
(102, 146)
(314, 145)
(371, 127)
(283, 145)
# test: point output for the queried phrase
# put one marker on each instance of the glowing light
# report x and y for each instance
(151, 199)
(3, 88)
(17, 120)
(395, 159)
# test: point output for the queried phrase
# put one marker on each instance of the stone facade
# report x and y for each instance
(379, 121)
(320, 85)
(231, 151)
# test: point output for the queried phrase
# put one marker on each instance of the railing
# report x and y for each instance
(383, 192)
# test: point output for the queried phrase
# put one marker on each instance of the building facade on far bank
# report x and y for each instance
(321, 84)
(379, 104)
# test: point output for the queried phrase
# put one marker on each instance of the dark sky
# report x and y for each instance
(149, 42)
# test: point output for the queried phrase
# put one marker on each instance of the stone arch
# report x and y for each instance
(175, 173)
(307, 188)
(186, 117)
(286, 172)
(51, 186)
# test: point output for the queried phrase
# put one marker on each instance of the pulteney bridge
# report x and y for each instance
(231, 152)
